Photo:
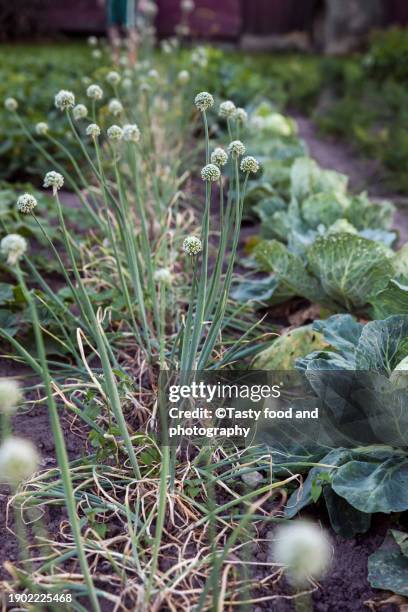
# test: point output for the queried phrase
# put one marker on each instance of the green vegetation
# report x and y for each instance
(144, 274)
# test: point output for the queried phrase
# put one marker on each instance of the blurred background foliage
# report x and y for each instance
(362, 98)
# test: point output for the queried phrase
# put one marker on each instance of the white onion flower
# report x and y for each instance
(79, 112)
(64, 100)
(127, 83)
(131, 132)
(192, 246)
(93, 130)
(13, 247)
(227, 109)
(250, 165)
(115, 133)
(11, 104)
(236, 149)
(55, 180)
(219, 157)
(19, 459)
(187, 6)
(153, 74)
(183, 77)
(163, 276)
(166, 47)
(211, 172)
(96, 54)
(241, 115)
(94, 92)
(113, 77)
(92, 41)
(115, 107)
(149, 8)
(10, 391)
(303, 548)
(199, 57)
(26, 203)
(41, 128)
(204, 101)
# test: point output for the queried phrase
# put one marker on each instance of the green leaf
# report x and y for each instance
(392, 300)
(325, 208)
(257, 290)
(345, 520)
(388, 568)
(379, 344)
(350, 268)
(374, 486)
(282, 353)
(302, 497)
(307, 178)
(6, 293)
(364, 213)
(342, 332)
(290, 269)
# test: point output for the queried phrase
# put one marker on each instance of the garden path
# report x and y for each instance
(364, 174)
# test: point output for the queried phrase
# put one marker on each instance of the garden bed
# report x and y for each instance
(170, 254)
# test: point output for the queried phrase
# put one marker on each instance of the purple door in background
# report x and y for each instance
(211, 19)
(265, 17)
(396, 12)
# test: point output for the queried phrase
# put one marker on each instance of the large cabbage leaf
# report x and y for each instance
(340, 271)
(370, 477)
(388, 566)
(350, 268)
(307, 178)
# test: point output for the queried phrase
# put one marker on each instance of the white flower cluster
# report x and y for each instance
(64, 100)
(55, 180)
(113, 77)
(187, 6)
(26, 203)
(11, 104)
(115, 133)
(115, 107)
(13, 246)
(250, 165)
(93, 130)
(153, 74)
(211, 173)
(18, 460)
(41, 128)
(10, 391)
(192, 246)
(131, 132)
(199, 57)
(94, 92)
(227, 109)
(236, 149)
(303, 548)
(79, 112)
(219, 157)
(163, 276)
(241, 115)
(204, 101)
(183, 77)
